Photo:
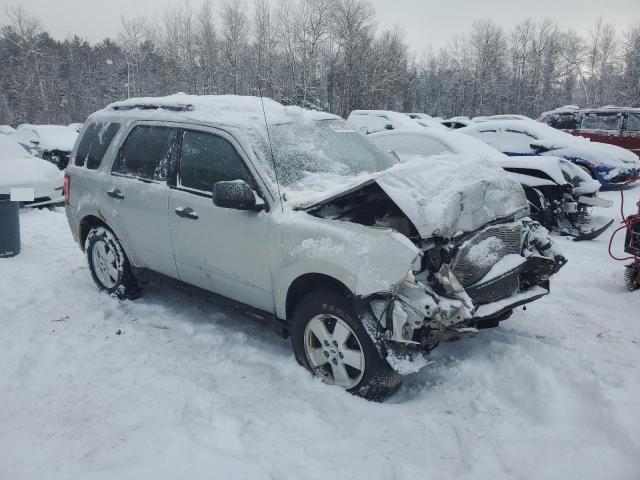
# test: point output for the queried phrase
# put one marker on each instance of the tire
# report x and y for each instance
(375, 380)
(110, 268)
(631, 277)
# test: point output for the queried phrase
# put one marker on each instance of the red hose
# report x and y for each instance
(628, 224)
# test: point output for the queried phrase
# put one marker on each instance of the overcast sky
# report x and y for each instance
(425, 22)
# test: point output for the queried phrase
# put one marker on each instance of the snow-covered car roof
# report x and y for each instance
(20, 169)
(564, 109)
(6, 129)
(231, 110)
(48, 137)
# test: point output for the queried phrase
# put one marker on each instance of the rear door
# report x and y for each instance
(137, 196)
(631, 132)
(222, 250)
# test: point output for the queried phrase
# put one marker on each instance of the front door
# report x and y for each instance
(221, 250)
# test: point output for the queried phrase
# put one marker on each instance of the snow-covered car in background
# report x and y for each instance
(19, 169)
(370, 121)
(367, 263)
(6, 129)
(613, 125)
(51, 142)
(608, 164)
(76, 126)
(560, 194)
(454, 123)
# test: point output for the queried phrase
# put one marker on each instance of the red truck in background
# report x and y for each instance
(614, 125)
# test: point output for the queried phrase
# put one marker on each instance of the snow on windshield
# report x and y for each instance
(314, 156)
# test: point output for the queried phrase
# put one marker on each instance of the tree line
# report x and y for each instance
(325, 54)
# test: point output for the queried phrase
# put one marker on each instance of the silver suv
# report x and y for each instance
(293, 217)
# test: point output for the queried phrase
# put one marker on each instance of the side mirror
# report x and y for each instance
(388, 126)
(236, 195)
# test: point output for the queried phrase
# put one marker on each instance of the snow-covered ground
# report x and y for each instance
(168, 387)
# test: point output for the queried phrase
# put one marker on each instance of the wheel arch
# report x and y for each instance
(86, 224)
(309, 282)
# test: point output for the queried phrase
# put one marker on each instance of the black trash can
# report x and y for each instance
(9, 227)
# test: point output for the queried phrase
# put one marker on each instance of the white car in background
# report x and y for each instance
(19, 169)
(51, 142)
(560, 194)
(76, 126)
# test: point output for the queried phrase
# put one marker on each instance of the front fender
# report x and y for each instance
(365, 259)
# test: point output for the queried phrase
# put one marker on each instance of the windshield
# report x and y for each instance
(311, 152)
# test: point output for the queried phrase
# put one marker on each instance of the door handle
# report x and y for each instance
(187, 212)
(115, 193)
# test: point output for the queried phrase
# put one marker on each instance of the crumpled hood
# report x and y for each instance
(447, 194)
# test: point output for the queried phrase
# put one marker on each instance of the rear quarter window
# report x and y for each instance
(633, 122)
(601, 121)
(94, 144)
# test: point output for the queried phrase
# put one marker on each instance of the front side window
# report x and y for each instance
(207, 159)
(633, 122)
(94, 144)
(601, 121)
(147, 152)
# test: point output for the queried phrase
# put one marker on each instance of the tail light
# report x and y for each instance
(67, 188)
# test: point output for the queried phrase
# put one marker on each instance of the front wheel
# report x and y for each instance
(109, 265)
(329, 340)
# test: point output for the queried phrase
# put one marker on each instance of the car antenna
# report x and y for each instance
(273, 158)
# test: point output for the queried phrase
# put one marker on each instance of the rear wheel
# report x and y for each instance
(109, 265)
(329, 340)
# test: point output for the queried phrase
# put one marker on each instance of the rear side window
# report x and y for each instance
(207, 159)
(147, 153)
(601, 121)
(94, 144)
(633, 122)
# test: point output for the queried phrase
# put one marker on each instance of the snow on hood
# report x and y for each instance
(20, 169)
(447, 194)
(49, 137)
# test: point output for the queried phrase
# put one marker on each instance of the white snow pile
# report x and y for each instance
(168, 386)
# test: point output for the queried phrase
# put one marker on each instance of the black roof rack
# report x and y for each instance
(154, 106)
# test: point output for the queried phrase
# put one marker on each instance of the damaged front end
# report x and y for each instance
(460, 283)
(472, 282)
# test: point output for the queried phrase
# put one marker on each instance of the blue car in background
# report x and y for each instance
(609, 164)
